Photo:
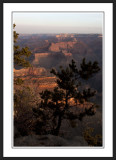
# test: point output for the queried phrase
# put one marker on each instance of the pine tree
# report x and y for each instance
(68, 86)
(68, 80)
(20, 55)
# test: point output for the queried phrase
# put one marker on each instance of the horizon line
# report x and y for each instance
(60, 33)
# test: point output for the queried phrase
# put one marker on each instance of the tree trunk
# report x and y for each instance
(56, 131)
(66, 100)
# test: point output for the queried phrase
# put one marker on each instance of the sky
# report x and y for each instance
(58, 22)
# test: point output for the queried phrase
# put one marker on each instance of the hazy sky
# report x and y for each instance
(58, 22)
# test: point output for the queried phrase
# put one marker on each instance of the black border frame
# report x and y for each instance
(1, 71)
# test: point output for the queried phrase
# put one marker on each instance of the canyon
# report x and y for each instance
(52, 51)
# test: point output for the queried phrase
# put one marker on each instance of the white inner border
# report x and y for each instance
(107, 151)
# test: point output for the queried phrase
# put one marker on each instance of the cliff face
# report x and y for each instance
(70, 48)
(29, 71)
(38, 56)
(57, 47)
(62, 47)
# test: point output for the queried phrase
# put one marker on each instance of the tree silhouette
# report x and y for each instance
(55, 104)
(68, 81)
(23, 95)
(20, 55)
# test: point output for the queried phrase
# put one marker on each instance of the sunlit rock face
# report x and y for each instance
(38, 56)
(29, 71)
(57, 47)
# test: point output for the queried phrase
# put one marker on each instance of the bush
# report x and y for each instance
(91, 139)
(23, 115)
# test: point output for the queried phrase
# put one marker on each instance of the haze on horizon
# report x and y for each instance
(58, 22)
